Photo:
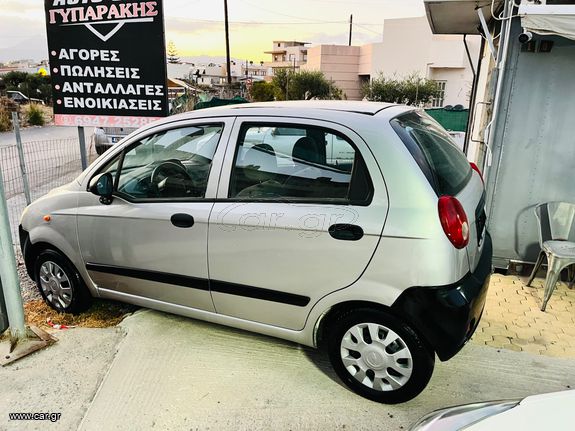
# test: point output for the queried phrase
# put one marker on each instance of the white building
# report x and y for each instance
(408, 47)
(287, 54)
(211, 74)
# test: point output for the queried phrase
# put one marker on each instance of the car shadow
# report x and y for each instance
(320, 359)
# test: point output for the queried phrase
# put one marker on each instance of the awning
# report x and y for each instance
(558, 20)
(457, 16)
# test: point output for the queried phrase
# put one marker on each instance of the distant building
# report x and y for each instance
(255, 71)
(408, 47)
(27, 65)
(340, 63)
(287, 54)
(211, 74)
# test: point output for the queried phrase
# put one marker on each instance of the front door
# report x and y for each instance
(151, 241)
(300, 210)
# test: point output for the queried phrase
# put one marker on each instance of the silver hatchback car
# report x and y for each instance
(352, 225)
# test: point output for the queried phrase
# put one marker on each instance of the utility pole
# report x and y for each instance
(287, 84)
(350, 27)
(229, 68)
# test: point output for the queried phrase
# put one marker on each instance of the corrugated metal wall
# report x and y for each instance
(534, 148)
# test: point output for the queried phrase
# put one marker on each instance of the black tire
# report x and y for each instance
(413, 380)
(77, 296)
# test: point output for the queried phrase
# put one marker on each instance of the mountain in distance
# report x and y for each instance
(27, 48)
(206, 59)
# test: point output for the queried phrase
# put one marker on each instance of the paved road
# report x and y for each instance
(173, 373)
(44, 134)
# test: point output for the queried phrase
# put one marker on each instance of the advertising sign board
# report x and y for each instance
(107, 62)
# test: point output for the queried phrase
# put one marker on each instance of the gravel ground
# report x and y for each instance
(27, 286)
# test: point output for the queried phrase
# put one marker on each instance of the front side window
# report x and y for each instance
(170, 164)
(301, 163)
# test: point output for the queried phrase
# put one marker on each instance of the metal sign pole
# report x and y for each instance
(16, 124)
(82, 138)
(3, 315)
(9, 273)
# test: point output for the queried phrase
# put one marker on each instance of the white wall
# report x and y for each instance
(409, 46)
(458, 85)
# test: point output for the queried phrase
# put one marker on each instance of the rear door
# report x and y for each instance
(448, 172)
(295, 218)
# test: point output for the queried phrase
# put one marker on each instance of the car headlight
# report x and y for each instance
(460, 417)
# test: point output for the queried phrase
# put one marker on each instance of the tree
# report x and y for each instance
(411, 90)
(31, 85)
(280, 83)
(173, 56)
(304, 85)
(262, 91)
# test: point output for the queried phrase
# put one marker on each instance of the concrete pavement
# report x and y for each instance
(173, 373)
(62, 379)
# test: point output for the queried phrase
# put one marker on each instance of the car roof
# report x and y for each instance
(358, 107)
(303, 108)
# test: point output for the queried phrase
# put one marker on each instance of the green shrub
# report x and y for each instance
(35, 115)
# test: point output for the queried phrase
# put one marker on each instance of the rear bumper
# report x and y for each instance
(447, 316)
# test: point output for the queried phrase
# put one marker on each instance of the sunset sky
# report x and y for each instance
(196, 26)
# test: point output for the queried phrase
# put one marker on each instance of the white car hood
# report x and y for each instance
(554, 411)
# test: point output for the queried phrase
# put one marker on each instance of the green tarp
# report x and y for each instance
(451, 120)
(215, 101)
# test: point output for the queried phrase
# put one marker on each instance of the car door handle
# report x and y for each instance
(182, 220)
(345, 232)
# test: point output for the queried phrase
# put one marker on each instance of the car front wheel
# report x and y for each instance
(378, 356)
(60, 284)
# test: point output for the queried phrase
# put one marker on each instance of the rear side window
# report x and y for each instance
(444, 165)
(299, 162)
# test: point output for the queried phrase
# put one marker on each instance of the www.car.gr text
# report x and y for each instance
(52, 417)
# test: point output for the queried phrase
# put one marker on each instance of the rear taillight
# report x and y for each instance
(454, 221)
(476, 169)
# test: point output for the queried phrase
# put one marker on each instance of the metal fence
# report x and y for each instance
(48, 164)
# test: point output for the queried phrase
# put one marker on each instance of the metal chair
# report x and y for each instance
(556, 222)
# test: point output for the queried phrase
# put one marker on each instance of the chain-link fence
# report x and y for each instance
(48, 164)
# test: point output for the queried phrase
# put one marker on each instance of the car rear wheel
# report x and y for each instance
(378, 356)
(60, 284)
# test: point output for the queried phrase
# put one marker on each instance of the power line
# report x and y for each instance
(283, 14)
(214, 21)
(368, 29)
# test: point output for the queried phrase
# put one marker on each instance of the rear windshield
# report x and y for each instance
(444, 165)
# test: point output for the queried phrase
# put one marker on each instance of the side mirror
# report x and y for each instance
(103, 185)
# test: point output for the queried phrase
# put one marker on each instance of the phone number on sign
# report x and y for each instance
(102, 120)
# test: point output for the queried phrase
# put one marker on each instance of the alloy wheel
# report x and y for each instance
(55, 285)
